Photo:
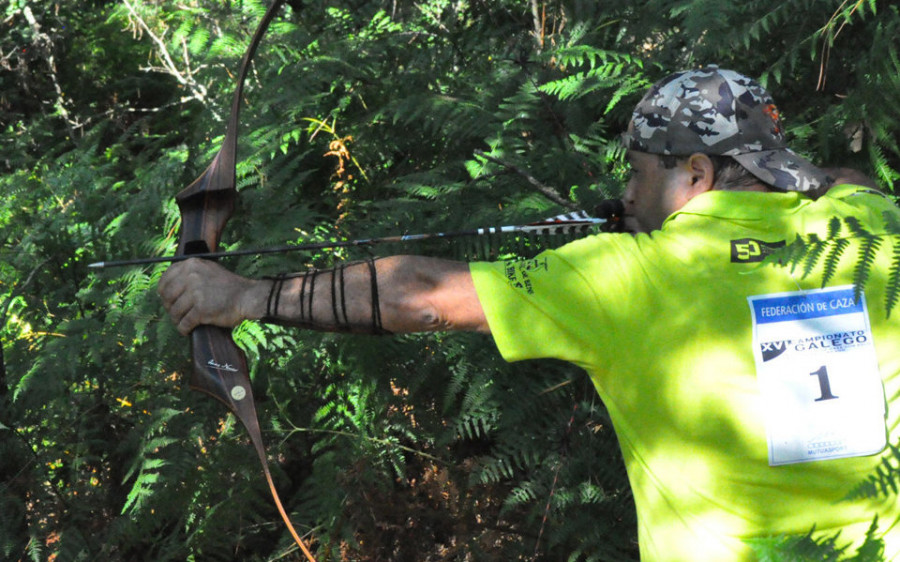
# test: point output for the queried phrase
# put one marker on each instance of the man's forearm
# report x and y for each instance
(397, 294)
(345, 298)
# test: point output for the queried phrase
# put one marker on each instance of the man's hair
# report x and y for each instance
(728, 173)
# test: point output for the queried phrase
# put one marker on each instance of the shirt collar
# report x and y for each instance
(742, 205)
(756, 205)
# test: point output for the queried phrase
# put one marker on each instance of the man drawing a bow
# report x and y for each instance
(748, 399)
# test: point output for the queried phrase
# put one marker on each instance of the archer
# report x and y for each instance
(723, 442)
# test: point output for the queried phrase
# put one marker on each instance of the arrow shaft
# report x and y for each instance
(551, 226)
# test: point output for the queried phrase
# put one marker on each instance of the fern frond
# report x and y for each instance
(815, 249)
(143, 488)
(864, 261)
(835, 226)
(865, 258)
(892, 291)
(885, 481)
(833, 259)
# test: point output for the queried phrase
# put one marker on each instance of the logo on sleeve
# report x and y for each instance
(519, 273)
(749, 250)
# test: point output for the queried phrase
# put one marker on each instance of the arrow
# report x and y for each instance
(610, 212)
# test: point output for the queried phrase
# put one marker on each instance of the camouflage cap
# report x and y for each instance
(720, 112)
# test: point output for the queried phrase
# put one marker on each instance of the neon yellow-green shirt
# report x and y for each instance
(663, 326)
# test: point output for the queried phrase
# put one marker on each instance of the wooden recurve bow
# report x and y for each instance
(220, 367)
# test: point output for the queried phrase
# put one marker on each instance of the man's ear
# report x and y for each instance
(702, 172)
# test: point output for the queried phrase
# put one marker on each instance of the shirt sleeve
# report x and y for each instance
(549, 307)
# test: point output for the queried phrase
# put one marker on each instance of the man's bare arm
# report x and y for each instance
(410, 294)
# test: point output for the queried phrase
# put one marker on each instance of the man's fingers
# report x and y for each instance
(171, 284)
(187, 322)
(179, 310)
(174, 292)
(197, 291)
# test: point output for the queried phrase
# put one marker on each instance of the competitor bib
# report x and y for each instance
(818, 375)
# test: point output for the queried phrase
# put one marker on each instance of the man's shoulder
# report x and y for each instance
(842, 190)
(865, 203)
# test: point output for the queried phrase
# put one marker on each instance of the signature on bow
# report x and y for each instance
(226, 367)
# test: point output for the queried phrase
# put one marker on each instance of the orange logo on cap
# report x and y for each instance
(774, 115)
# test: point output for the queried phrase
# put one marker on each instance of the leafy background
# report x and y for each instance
(361, 118)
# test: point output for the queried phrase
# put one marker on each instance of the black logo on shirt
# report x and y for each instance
(749, 250)
(518, 273)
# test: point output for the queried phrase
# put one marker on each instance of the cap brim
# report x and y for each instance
(784, 169)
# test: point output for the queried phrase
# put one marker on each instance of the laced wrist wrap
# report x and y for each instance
(340, 317)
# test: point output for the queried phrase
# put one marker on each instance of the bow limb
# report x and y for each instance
(219, 366)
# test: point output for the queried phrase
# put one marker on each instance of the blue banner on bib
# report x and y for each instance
(805, 306)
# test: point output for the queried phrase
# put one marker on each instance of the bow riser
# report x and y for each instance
(206, 205)
(220, 370)
(219, 366)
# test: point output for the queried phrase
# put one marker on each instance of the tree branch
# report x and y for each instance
(545, 190)
(198, 90)
(43, 42)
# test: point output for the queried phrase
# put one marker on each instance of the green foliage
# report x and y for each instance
(360, 119)
(809, 547)
(809, 252)
(885, 481)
